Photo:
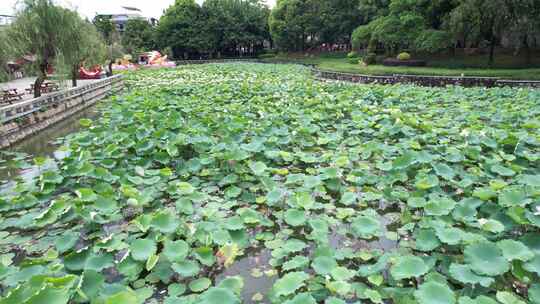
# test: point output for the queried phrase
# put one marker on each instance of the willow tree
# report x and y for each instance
(39, 30)
(112, 38)
(82, 46)
(4, 53)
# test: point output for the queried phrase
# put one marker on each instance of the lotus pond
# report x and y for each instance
(252, 183)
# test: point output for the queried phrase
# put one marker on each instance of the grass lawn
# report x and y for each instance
(458, 66)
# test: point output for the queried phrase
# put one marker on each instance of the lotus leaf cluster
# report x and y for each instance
(198, 182)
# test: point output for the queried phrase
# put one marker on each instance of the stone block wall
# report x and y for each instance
(26, 118)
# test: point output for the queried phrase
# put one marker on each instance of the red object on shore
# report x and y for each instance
(94, 73)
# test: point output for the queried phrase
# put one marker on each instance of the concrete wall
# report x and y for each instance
(23, 119)
(429, 81)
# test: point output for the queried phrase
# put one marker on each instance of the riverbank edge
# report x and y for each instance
(27, 118)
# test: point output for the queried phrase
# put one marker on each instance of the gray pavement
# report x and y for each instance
(24, 83)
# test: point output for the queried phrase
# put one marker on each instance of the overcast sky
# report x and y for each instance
(89, 8)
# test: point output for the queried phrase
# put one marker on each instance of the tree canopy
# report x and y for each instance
(218, 27)
(54, 36)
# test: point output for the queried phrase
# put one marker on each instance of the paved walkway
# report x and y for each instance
(24, 83)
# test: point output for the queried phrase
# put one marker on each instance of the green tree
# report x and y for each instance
(4, 55)
(39, 30)
(489, 17)
(236, 24)
(407, 24)
(183, 29)
(293, 22)
(138, 36)
(83, 46)
(112, 38)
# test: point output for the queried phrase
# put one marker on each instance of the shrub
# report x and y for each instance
(370, 58)
(352, 54)
(266, 56)
(404, 56)
(353, 60)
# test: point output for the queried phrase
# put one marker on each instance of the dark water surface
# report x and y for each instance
(44, 143)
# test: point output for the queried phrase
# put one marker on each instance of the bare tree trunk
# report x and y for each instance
(527, 49)
(491, 51)
(109, 70)
(74, 75)
(42, 74)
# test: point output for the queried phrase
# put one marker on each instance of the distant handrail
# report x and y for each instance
(24, 108)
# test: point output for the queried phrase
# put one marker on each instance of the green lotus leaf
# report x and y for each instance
(304, 200)
(99, 262)
(408, 267)
(289, 283)
(185, 188)
(416, 202)
(186, 268)
(92, 283)
(533, 265)
(484, 193)
(513, 197)
(296, 262)
(234, 283)
(176, 251)
(339, 287)
(176, 289)
(502, 170)
(425, 182)
(444, 171)
(485, 258)
(142, 249)
(493, 226)
(219, 295)
(426, 240)
(124, 297)
(205, 255)
(449, 235)
(66, 241)
(465, 275)
(302, 298)
(366, 226)
(439, 206)
(199, 285)
(164, 222)
(312, 181)
(477, 300)
(275, 196)
(258, 168)
(334, 300)
(515, 250)
(506, 297)
(233, 192)
(295, 217)
(534, 293)
(348, 198)
(432, 292)
(404, 161)
(86, 194)
(342, 274)
(323, 265)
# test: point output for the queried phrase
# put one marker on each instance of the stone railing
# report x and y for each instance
(423, 80)
(420, 80)
(25, 118)
(205, 61)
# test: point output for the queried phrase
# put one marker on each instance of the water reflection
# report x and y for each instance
(44, 143)
(260, 283)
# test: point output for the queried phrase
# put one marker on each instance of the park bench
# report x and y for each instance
(46, 87)
(10, 95)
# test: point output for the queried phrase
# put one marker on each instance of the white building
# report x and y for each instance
(121, 17)
(6, 20)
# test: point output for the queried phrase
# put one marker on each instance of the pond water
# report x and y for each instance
(44, 143)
